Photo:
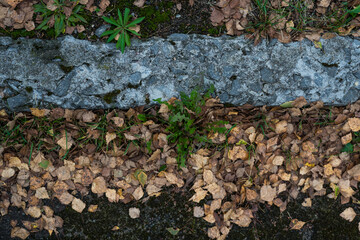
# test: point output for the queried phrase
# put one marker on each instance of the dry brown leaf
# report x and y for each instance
(296, 224)
(139, 3)
(7, 173)
(151, 189)
(281, 127)
(78, 205)
(41, 193)
(39, 112)
(213, 232)
(267, 193)
(323, 3)
(138, 193)
(199, 195)
(242, 221)
(87, 116)
(198, 212)
(348, 214)
(208, 176)
(278, 160)
(65, 142)
(307, 202)
(19, 232)
(134, 212)
(66, 198)
(112, 195)
(354, 124)
(216, 16)
(63, 173)
(109, 137)
(34, 211)
(119, 122)
(251, 195)
(99, 185)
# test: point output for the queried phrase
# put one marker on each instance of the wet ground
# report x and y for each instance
(175, 211)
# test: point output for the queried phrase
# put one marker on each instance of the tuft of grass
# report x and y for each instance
(184, 123)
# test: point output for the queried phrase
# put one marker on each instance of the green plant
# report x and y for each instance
(122, 27)
(349, 147)
(59, 16)
(184, 123)
(341, 17)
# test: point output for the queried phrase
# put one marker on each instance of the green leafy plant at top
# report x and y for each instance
(184, 123)
(59, 16)
(122, 28)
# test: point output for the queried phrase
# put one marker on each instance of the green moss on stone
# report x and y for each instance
(29, 89)
(109, 97)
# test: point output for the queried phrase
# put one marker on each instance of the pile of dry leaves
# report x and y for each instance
(298, 147)
(287, 20)
(18, 14)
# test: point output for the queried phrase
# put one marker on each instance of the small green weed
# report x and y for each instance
(122, 28)
(349, 148)
(59, 16)
(183, 123)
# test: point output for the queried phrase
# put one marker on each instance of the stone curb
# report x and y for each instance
(73, 73)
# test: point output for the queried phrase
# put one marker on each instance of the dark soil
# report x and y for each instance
(174, 210)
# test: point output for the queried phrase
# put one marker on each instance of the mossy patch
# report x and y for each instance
(109, 97)
(29, 89)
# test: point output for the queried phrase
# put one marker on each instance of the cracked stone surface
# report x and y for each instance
(72, 73)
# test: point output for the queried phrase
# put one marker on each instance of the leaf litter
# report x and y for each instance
(254, 165)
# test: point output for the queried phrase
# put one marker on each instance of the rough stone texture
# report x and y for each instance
(73, 73)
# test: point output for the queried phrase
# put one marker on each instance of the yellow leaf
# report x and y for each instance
(318, 44)
(142, 177)
(310, 164)
(39, 112)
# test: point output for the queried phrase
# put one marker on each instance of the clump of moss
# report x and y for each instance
(109, 97)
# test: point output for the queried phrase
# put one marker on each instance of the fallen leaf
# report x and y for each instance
(63, 173)
(92, 208)
(112, 195)
(151, 189)
(348, 214)
(278, 160)
(208, 176)
(34, 211)
(78, 205)
(7, 173)
(138, 193)
(213, 232)
(39, 112)
(267, 193)
(115, 228)
(109, 137)
(307, 202)
(65, 142)
(199, 195)
(139, 3)
(281, 127)
(19, 232)
(296, 224)
(99, 185)
(242, 221)
(173, 231)
(134, 212)
(42, 193)
(354, 124)
(198, 212)
(66, 198)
